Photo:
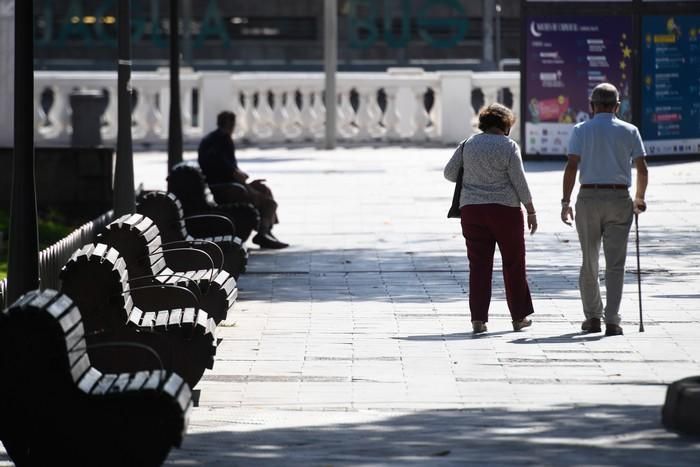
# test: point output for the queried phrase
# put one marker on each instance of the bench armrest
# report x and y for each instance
(157, 302)
(207, 246)
(203, 223)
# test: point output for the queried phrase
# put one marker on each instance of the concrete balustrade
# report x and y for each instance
(400, 105)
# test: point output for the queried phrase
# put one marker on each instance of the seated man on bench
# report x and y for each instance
(217, 159)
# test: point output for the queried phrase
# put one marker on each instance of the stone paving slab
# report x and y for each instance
(353, 346)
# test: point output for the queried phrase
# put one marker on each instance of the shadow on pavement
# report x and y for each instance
(367, 274)
(562, 339)
(601, 435)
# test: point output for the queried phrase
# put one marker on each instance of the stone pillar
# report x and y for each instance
(457, 111)
(217, 95)
(7, 71)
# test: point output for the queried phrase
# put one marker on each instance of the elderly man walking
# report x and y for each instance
(604, 148)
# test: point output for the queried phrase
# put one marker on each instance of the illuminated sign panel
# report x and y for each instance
(567, 56)
(671, 84)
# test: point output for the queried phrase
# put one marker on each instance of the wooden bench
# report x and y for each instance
(164, 318)
(187, 182)
(166, 211)
(57, 409)
(137, 240)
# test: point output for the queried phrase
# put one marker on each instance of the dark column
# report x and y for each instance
(187, 31)
(175, 129)
(23, 267)
(124, 202)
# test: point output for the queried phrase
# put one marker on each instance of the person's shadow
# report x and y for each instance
(562, 339)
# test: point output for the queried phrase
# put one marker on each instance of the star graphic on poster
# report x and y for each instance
(623, 65)
(627, 52)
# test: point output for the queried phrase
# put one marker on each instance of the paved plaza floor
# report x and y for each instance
(353, 346)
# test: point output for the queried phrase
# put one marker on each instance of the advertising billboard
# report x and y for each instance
(567, 56)
(670, 121)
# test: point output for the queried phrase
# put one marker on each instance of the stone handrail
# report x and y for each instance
(399, 105)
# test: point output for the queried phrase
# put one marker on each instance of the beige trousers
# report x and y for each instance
(603, 215)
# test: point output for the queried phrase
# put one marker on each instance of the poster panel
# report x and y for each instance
(567, 56)
(671, 84)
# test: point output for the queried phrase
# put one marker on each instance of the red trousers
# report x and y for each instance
(484, 226)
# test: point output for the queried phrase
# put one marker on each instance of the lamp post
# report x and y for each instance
(498, 36)
(175, 128)
(330, 50)
(124, 202)
(23, 258)
(487, 34)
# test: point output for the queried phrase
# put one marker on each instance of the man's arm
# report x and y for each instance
(567, 212)
(640, 164)
(239, 176)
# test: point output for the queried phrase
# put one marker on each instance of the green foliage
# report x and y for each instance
(52, 228)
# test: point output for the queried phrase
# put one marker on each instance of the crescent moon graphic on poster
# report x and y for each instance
(533, 30)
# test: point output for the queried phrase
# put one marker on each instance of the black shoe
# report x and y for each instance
(613, 330)
(591, 325)
(268, 242)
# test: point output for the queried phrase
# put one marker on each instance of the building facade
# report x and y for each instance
(282, 34)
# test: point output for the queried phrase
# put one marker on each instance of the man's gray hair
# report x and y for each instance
(605, 94)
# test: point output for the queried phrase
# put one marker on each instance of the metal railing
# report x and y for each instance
(52, 259)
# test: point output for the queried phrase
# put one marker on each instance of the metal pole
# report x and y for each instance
(124, 202)
(639, 273)
(23, 260)
(487, 35)
(498, 36)
(187, 32)
(175, 128)
(331, 67)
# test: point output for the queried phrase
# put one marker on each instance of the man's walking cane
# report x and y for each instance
(639, 273)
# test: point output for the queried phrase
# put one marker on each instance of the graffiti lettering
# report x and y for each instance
(364, 33)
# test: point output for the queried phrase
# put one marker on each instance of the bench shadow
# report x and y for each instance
(601, 434)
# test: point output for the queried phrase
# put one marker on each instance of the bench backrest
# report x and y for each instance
(166, 211)
(96, 278)
(187, 182)
(47, 371)
(137, 239)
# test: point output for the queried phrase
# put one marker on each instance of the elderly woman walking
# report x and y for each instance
(493, 188)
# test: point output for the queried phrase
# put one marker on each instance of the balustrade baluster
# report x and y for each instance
(391, 119)
(291, 116)
(318, 110)
(39, 114)
(434, 128)
(363, 116)
(241, 119)
(138, 116)
(109, 129)
(346, 115)
(265, 116)
(421, 116)
(306, 115)
(188, 129)
(248, 114)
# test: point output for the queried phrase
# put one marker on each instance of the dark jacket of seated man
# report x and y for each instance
(217, 159)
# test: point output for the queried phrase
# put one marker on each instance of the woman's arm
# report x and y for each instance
(455, 163)
(516, 174)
